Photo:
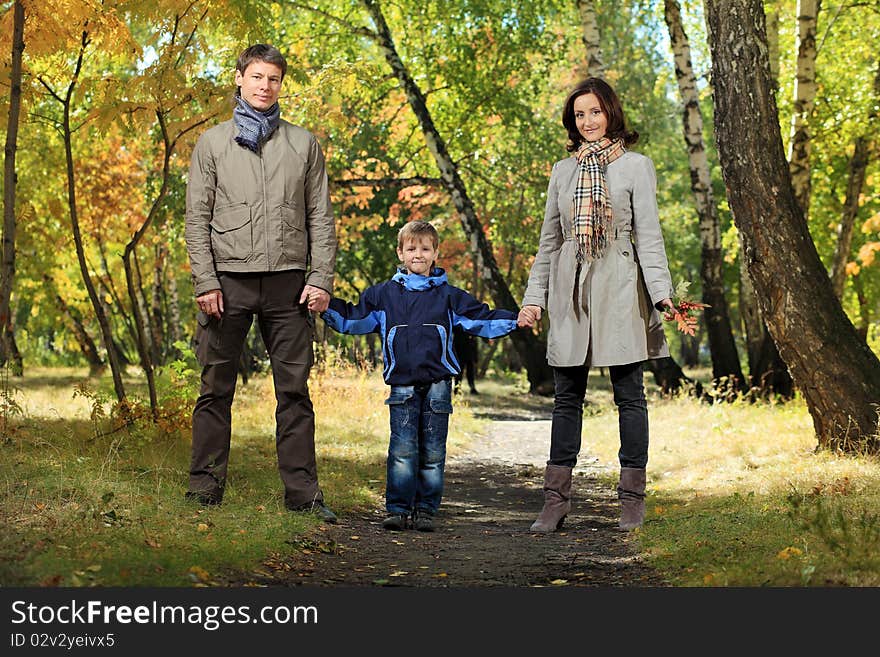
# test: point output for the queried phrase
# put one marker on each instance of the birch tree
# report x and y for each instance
(831, 365)
(799, 146)
(591, 38)
(725, 360)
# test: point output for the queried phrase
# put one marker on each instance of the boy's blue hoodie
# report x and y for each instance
(415, 315)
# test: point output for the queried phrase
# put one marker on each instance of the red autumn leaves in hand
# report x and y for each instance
(686, 313)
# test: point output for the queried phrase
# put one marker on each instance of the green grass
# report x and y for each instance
(738, 494)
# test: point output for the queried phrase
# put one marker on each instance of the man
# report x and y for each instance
(261, 240)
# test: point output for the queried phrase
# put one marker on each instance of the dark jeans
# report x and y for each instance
(568, 410)
(286, 327)
(417, 450)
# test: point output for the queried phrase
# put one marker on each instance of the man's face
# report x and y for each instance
(260, 84)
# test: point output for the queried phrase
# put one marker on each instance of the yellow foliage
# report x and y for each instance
(867, 253)
(788, 553)
(872, 225)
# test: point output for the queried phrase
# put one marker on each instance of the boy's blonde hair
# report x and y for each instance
(415, 230)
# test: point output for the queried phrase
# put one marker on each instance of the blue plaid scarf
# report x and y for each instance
(591, 205)
(254, 127)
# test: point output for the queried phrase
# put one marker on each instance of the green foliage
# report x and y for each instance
(850, 532)
(494, 74)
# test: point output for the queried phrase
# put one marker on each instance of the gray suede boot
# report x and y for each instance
(631, 493)
(557, 499)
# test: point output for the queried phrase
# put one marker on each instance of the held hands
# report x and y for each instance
(318, 299)
(528, 317)
(211, 303)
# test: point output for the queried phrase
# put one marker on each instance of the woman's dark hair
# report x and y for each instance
(261, 52)
(610, 104)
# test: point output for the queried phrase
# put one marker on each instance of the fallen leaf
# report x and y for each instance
(202, 527)
(198, 574)
(788, 553)
(398, 573)
(559, 582)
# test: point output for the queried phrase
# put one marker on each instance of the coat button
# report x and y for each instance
(626, 253)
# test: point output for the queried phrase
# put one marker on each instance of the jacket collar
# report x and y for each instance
(416, 282)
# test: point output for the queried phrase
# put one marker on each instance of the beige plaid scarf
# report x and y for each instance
(591, 205)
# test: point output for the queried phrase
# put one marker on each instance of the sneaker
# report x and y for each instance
(395, 522)
(317, 508)
(423, 520)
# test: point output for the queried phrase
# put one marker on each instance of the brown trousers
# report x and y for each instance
(286, 327)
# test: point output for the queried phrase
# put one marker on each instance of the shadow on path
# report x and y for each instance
(482, 540)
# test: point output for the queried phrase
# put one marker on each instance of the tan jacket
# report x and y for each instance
(259, 212)
(616, 322)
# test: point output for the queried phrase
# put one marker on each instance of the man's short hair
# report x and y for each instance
(415, 230)
(261, 52)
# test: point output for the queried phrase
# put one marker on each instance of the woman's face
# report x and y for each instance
(589, 118)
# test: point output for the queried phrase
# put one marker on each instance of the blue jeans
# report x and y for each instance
(417, 451)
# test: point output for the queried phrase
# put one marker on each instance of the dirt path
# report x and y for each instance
(493, 493)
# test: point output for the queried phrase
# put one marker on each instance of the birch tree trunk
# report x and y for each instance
(7, 274)
(530, 350)
(725, 360)
(591, 38)
(804, 98)
(832, 366)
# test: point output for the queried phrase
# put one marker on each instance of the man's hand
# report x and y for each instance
(528, 316)
(211, 303)
(318, 299)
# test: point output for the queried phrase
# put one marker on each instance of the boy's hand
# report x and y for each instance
(318, 299)
(528, 316)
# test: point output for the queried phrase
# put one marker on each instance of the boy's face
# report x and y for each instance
(260, 84)
(418, 255)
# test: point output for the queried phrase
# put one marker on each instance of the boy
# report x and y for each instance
(415, 313)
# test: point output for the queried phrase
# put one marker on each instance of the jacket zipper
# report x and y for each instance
(265, 212)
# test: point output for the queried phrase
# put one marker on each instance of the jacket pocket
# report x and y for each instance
(232, 233)
(293, 235)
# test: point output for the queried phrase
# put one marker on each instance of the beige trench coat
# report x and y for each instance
(616, 322)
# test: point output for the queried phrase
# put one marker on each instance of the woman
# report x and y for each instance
(601, 274)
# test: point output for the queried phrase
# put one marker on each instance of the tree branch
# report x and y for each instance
(363, 31)
(388, 182)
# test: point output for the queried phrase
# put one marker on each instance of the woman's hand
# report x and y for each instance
(529, 316)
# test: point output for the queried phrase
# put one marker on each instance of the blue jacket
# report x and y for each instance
(415, 315)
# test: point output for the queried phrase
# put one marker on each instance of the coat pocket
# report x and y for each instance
(294, 243)
(232, 233)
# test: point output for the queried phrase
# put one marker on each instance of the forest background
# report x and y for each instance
(444, 111)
